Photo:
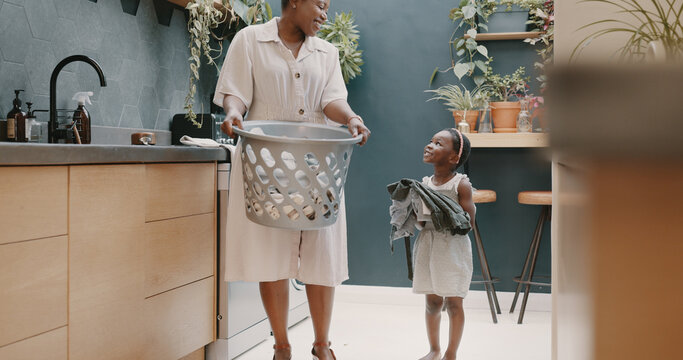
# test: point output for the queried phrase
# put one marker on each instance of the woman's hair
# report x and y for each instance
(466, 148)
(284, 4)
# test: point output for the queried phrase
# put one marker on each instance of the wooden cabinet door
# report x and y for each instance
(47, 346)
(32, 288)
(175, 190)
(181, 321)
(106, 284)
(179, 251)
(30, 196)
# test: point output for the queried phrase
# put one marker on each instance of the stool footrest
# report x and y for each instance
(532, 282)
(480, 281)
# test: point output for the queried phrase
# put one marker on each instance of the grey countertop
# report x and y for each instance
(67, 154)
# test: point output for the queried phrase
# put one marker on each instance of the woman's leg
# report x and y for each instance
(275, 297)
(433, 306)
(320, 302)
(456, 316)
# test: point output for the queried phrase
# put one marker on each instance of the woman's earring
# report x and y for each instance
(293, 6)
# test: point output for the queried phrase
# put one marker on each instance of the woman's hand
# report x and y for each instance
(234, 110)
(340, 112)
(232, 119)
(357, 127)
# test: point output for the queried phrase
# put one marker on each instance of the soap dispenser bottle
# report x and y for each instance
(33, 129)
(14, 118)
(82, 116)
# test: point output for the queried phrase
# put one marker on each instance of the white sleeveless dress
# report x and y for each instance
(442, 262)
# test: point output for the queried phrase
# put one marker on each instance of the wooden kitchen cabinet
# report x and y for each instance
(142, 260)
(122, 265)
(33, 260)
(106, 285)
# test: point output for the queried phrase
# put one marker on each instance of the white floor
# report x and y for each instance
(388, 323)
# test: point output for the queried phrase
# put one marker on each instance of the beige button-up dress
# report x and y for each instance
(264, 74)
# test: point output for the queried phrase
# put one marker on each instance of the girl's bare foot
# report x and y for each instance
(433, 355)
(448, 356)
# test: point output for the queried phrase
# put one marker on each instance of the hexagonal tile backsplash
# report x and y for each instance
(145, 63)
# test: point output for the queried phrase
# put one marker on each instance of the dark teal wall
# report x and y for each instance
(402, 42)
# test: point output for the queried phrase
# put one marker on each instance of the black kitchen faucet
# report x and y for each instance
(53, 133)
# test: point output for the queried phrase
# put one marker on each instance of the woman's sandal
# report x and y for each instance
(315, 357)
(277, 347)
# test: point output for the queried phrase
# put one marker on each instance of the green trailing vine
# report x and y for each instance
(342, 33)
(204, 21)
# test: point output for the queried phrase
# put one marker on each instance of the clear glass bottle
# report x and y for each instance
(524, 119)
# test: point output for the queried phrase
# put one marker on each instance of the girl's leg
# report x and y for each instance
(434, 304)
(320, 303)
(275, 297)
(456, 316)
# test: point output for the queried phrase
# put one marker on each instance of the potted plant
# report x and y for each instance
(504, 88)
(343, 35)
(463, 103)
(472, 16)
(656, 24)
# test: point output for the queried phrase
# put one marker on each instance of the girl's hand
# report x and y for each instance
(357, 127)
(233, 118)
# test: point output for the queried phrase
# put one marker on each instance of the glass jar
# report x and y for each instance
(485, 121)
(524, 119)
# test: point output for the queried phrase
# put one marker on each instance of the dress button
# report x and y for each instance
(297, 75)
(301, 111)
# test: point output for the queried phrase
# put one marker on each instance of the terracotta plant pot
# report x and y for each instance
(471, 118)
(504, 115)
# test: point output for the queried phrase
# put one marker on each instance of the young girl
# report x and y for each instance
(443, 262)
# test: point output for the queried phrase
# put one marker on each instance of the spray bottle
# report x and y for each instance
(82, 116)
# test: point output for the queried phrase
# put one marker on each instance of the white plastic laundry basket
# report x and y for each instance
(294, 172)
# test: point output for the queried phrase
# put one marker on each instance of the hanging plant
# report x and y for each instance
(204, 19)
(343, 35)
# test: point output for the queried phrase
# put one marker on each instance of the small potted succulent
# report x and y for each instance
(462, 102)
(505, 88)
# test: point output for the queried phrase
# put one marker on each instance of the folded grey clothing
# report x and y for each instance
(446, 213)
(404, 216)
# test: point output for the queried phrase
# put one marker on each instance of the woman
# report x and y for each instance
(281, 71)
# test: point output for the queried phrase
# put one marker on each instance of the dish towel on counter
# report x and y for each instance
(205, 143)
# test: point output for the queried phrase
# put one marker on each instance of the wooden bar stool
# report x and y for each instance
(545, 199)
(481, 197)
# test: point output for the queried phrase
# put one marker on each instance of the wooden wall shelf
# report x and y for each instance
(506, 36)
(508, 140)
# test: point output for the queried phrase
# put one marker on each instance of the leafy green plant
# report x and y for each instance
(457, 97)
(204, 20)
(505, 87)
(342, 33)
(524, 4)
(660, 20)
(471, 16)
